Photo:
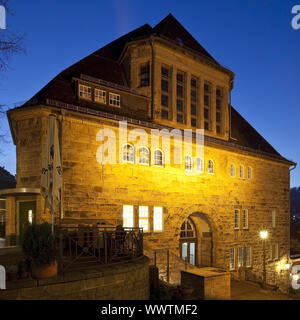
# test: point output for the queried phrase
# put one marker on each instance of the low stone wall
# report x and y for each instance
(128, 281)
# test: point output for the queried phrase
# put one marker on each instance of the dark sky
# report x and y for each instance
(253, 38)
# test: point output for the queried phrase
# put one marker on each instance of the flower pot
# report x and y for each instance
(45, 271)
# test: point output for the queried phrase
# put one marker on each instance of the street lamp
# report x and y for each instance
(264, 236)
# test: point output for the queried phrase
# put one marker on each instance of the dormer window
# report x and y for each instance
(114, 100)
(100, 96)
(85, 92)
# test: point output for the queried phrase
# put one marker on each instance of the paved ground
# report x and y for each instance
(245, 290)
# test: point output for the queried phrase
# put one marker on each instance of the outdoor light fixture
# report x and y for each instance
(264, 234)
(295, 277)
(287, 266)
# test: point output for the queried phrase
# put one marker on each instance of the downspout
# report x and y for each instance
(230, 88)
(152, 77)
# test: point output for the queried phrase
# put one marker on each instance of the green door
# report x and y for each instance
(27, 216)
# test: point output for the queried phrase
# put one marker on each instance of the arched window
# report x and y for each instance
(128, 153)
(188, 163)
(158, 158)
(144, 155)
(199, 165)
(232, 170)
(210, 167)
(249, 173)
(241, 171)
(187, 230)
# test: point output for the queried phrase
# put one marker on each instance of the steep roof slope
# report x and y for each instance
(7, 180)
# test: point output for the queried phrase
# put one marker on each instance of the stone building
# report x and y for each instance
(208, 210)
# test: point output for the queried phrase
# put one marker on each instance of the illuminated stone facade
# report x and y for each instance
(95, 193)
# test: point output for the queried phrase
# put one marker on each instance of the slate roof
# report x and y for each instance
(103, 64)
(7, 180)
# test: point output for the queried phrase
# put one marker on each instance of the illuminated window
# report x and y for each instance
(248, 257)
(128, 216)
(276, 251)
(145, 74)
(144, 155)
(100, 96)
(273, 219)
(241, 171)
(245, 219)
(30, 216)
(144, 218)
(199, 164)
(158, 219)
(128, 153)
(210, 167)
(236, 219)
(232, 259)
(249, 173)
(232, 170)
(241, 257)
(158, 158)
(188, 163)
(85, 92)
(114, 100)
(2, 217)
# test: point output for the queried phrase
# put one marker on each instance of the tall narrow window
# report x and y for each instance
(248, 257)
(100, 96)
(273, 219)
(241, 257)
(232, 259)
(207, 104)
(180, 96)
(2, 217)
(199, 165)
(188, 163)
(232, 170)
(236, 219)
(128, 153)
(210, 167)
(144, 218)
(241, 172)
(145, 74)
(158, 219)
(219, 95)
(276, 251)
(144, 156)
(194, 97)
(128, 216)
(249, 173)
(165, 92)
(85, 92)
(245, 219)
(158, 158)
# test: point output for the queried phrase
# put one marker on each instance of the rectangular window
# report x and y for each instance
(270, 254)
(276, 251)
(194, 85)
(2, 217)
(193, 122)
(245, 219)
(232, 259)
(241, 257)
(100, 96)
(158, 219)
(114, 99)
(180, 96)
(236, 219)
(248, 257)
(207, 103)
(128, 221)
(273, 219)
(85, 92)
(144, 218)
(249, 173)
(145, 75)
(165, 92)
(218, 109)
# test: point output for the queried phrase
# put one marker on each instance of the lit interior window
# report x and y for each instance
(30, 216)
(144, 218)
(144, 155)
(158, 219)
(127, 216)
(85, 92)
(100, 96)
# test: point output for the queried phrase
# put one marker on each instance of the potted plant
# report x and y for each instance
(39, 248)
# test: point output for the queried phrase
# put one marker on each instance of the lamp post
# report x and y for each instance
(264, 236)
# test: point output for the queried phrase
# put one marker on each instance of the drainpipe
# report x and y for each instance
(152, 77)
(230, 88)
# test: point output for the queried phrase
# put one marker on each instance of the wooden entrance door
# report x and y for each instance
(27, 213)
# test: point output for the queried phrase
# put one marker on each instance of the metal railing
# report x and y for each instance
(82, 246)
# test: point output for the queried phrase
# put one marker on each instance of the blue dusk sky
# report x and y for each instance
(253, 38)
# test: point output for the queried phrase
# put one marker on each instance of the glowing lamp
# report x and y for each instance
(264, 234)
(295, 277)
(287, 266)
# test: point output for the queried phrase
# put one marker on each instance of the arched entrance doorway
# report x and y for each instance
(196, 240)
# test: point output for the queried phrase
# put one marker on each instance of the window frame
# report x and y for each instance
(213, 166)
(240, 257)
(201, 161)
(245, 214)
(111, 97)
(162, 219)
(273, 219)
(148, 151)
(188, 167)
(104, 101)
(142, 218)
(232, 258)
(232, 166)
(133, 156)
(248, 250)
(88, 96)
(241, 172)
(162, 158)
(236, 219)
(131, 218)
(249, 170)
